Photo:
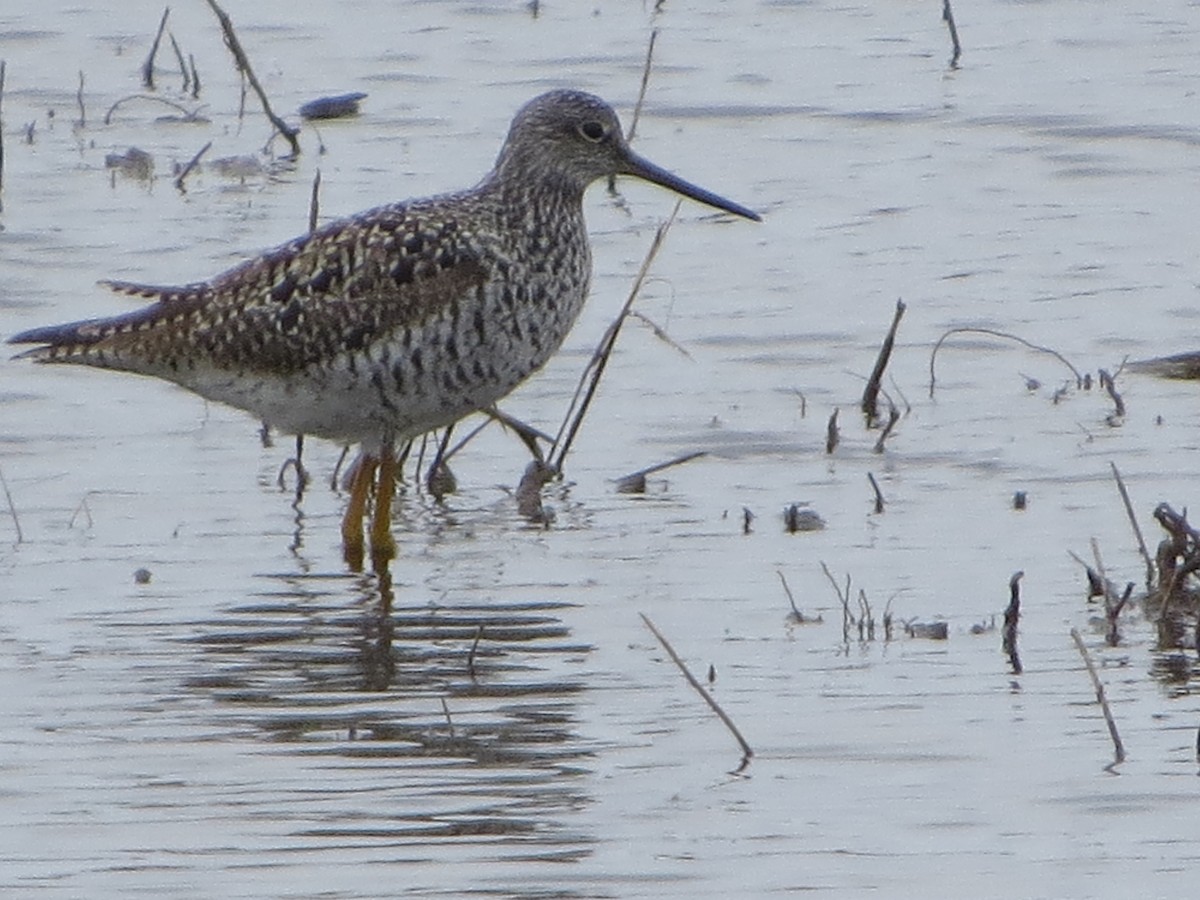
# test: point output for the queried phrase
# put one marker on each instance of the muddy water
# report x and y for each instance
(257, 721)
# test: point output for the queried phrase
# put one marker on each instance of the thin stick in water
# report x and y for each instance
(183, 70)
(637, 107)
(747, 753)
(590, 379)
(1118, 747)
(870, 398)
(192, 163)
(148, 65)
(314, 203)
(243, 65)
(948, 18)
(878, 493)
(1137, 531)
(1012, 616)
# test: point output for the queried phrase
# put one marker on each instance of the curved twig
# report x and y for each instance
(996, 334)
(188, 114)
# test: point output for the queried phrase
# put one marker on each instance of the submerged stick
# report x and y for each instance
(948, 18)
(747, 753)
(148, 65)
(870, 398)
(243, 65)
(592, 372)
(1118, 747)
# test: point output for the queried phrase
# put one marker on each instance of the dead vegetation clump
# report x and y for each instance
(1173, 601)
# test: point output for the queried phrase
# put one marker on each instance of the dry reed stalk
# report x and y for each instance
(589, 380)
(747, 753)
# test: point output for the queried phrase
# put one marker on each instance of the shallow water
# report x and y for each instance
(257, 721)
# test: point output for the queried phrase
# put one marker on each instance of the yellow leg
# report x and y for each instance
(383, 545)
(352, 522)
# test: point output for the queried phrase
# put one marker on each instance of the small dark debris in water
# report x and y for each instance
(797, 519)
(1020, 500)
(134, 162)
(931, 631)
(141, 576)
(984, 627)
(339, 106)
(529, 493)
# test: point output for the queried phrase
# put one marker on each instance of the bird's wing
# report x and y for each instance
(338, 288)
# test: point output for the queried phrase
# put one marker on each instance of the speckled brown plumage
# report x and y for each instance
(400, 319)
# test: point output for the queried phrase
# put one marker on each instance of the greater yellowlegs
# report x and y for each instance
(404, 318)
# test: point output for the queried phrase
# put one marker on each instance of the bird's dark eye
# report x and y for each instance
(593, 131)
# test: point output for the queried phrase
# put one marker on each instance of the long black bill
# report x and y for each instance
(642, 168)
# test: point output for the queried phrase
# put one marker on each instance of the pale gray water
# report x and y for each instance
(250, 724)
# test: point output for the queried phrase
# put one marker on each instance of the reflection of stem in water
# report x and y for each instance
(375, 649)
